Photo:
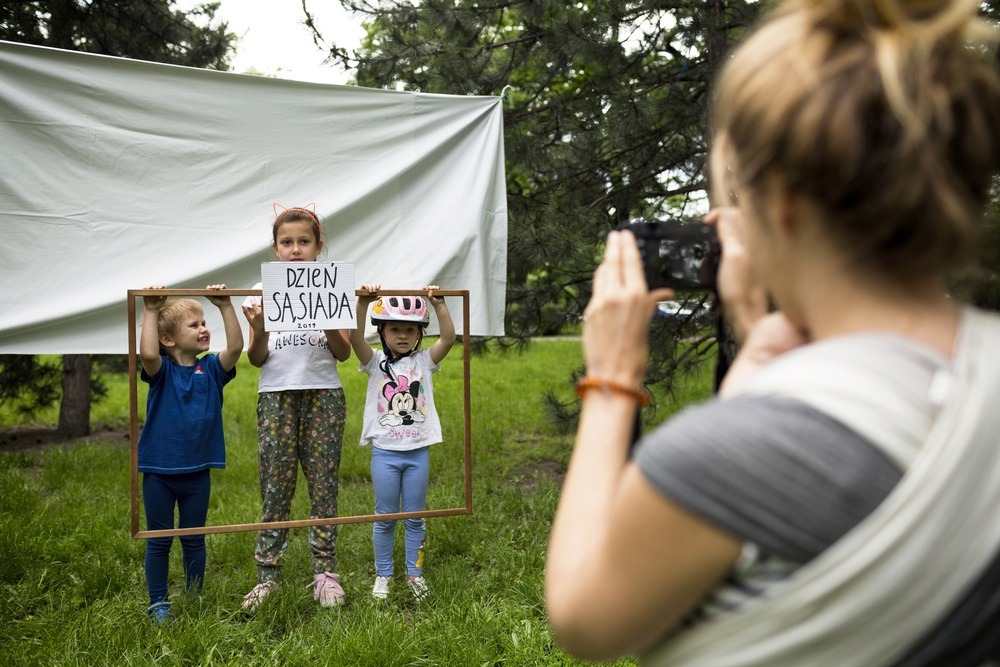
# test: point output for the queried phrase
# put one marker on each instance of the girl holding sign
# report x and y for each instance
(300, 420)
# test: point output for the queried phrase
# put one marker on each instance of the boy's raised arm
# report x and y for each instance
(149, 338)
(234, 334)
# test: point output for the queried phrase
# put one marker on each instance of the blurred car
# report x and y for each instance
(684, 310)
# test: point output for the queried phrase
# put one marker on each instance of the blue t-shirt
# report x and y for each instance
(183, 429)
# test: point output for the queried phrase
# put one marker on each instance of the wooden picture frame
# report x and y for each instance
(136, 533)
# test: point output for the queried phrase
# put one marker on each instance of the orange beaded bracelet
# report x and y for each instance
(587, 382)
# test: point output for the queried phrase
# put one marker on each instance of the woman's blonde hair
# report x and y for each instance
(884, 114)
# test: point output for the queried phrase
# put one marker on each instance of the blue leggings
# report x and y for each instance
(400, 482)
(190, 492)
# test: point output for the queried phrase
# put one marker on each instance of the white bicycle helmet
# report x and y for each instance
(400, 309)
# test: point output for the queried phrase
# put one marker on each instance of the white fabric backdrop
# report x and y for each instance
(116, 174)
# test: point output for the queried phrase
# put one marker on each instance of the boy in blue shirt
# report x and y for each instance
(182, 437)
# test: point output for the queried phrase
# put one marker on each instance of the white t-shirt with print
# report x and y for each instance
(296, 359)
(399, 411)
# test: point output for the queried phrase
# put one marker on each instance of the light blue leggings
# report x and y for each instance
(400, 482)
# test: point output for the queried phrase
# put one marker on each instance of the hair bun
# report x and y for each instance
(935, 19)
(882, 113)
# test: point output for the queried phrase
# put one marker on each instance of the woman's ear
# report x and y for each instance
(783, 208)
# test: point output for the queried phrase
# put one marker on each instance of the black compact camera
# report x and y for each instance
(676, 254)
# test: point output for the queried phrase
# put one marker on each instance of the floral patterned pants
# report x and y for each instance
(299, 427)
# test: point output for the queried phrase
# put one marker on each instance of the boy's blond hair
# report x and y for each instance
(171, 314)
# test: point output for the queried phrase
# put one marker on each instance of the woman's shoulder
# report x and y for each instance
(771, 469)
(749, 428)
(883, 385)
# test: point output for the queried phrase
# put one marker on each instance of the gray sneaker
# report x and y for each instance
(159, 613)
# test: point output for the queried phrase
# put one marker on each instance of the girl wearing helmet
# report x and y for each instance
(400, 420)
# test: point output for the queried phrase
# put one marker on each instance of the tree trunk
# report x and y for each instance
(74, 410)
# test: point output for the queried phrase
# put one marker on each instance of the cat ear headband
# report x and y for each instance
(308, 209)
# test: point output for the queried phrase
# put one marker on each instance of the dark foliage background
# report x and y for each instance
(605, 122)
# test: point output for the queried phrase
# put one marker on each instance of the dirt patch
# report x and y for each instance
(14, 440)
(529, 474)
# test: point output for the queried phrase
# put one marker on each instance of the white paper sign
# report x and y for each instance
(308, 295)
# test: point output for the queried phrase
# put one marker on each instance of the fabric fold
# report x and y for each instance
(873, 595)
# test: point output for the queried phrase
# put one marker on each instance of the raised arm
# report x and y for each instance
(614, 531)
(339, 342)
(257, 349)
(234, 334)
(149, 339)
(440, 348)
(361, 347)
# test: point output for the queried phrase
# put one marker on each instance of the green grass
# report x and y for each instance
(72, 589)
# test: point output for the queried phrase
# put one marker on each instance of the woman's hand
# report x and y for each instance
(616, 321)
(744, 301)
(613, 530)
(763, 335)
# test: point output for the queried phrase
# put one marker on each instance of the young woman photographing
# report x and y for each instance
(836, 503)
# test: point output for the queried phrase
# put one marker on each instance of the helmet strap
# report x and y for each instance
(391, 358)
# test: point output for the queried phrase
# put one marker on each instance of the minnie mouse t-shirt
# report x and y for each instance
(399, 408)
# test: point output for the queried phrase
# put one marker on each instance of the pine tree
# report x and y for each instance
(605, 123)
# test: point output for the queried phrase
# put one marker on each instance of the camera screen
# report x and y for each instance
(684, 263)
(676, 254)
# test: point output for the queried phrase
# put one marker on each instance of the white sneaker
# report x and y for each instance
(327, 589)
(380, 590)
(254, 598)
(419, 587)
